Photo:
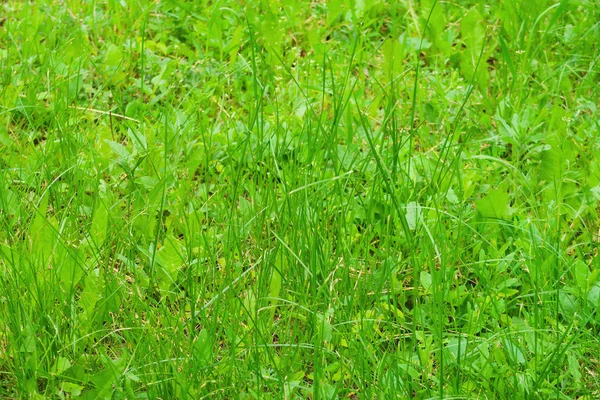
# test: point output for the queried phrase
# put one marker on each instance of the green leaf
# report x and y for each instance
(327, 391)
(457, 347)
(413, 211)
(99, 226)
(452, 197)
(504, 288)
(43, 236)
(568, 304)
(9, 202)
(28, 340)
(551, 165)
(104, 381)
(113, 56)
(235, 44)
(202, 349)
(426, 280)
(581, 273)
(39, 222)
(61, 365)
(324, 327)
(594, 295)
(410, 370)
(148, 182)
(437, 23)
(334, 10)
(89, 297)
(72, 388)
(392, 58)
(414, 43)
(121, 151)
(70, 269)
(169, 259)
(574, 367)
(275, 286)
(472, 30)
(514, 352)
(393, 309)
(494, 205)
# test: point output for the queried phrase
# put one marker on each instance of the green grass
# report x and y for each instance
(342, 199)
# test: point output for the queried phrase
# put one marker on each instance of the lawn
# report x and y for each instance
(286, 199)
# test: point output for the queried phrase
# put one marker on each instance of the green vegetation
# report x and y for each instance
(284, 199)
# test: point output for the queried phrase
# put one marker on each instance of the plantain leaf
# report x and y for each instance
(494, 205)
(169, 260)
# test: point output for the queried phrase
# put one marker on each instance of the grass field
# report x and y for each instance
(299, 200)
